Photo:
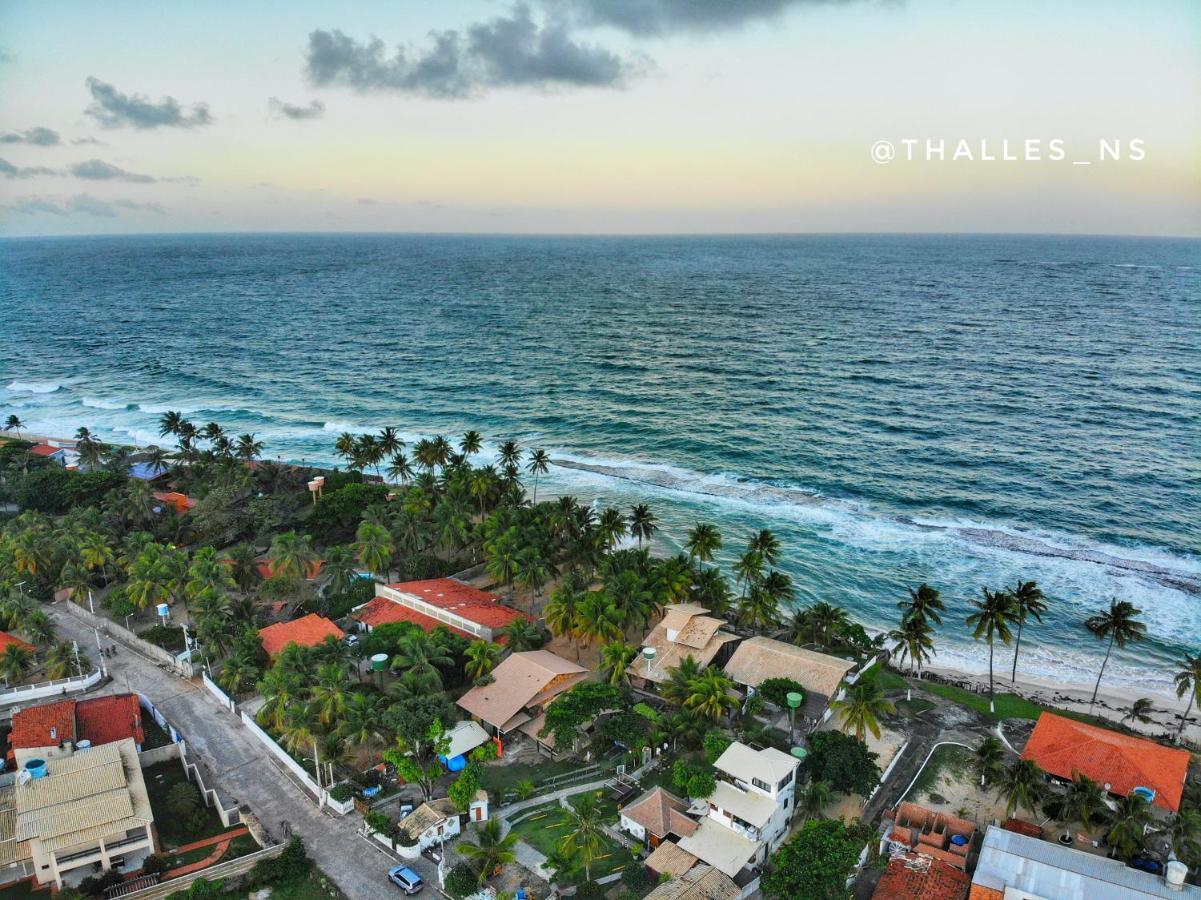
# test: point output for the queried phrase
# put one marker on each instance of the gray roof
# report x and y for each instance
(1047, 869)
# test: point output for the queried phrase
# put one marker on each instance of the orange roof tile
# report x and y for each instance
(1063, 746)
(43, 726)
(103, 720)
(7, 640)
(44, 450)
(382, 611)
(916, 875)
(463, 600)
(307, 631)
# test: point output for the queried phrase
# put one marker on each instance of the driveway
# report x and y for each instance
(244, 773)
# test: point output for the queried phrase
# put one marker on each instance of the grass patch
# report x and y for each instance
(544, 830)
(1009, 706)
(169, 637)
(174, 830)
(887, 679)
(912, 708)
(947, 761)
(503, 777)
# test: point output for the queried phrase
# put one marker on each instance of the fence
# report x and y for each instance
(239, 866)
(212, 687)
(179, 664)
(56, 688)
(176, 737)
(159, 754)
(282, 755)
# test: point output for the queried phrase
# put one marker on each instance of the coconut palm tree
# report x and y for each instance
(471, 443)
(90, 450)
(1022, 785)
(1188, 681)
(1140, 711)
(703, 541)
(421, 656)
(539, 464)
(599, 619)
(1128, 825)
(292, 556)
(399, 468)
(522, 634)
(238, 673)
(828, 619)
(150, 578)
(679, 680)
(390, 442)
(813, 800)
(642, 523)
(584, 838)
(612, 527)
(374, 548)
(481, 658)
(15, 663)
(360, 723)
(767, 545)
(96, 553)
(493, 849)
(60, 660)
(861, 708)
(1117, 625)
(923, 603)
(562, 613)
(1028, 600)
(615, 659)
(710, 695)
(1183, 831)
(912, 640)
(339, 569)
(989, 760)
(247, 448)
(1083, 802)
(14, 423)
(991, 621)
(330, 693)
(170, 423)
(510, 453)
(758, 609)
(243, 566)
(711, 590)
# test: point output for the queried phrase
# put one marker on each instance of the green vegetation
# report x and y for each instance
(947, 761)
(816, 861)
(179, 814)
(546, 829)
(843, 762)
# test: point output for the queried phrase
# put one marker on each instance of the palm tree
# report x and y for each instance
(989, 761)
(492, 851)
(1021, 785)
(422, 656)
(243, 566)
(1140, 711)
(615, 659)
(90, 450)
(1028, 600)
(991, 621)
(914, 641)
(248, 448)
(1118, 625)
(1188, 681)
(510, 453)
(813, 800)
(703, 541)
(399, 468)
(584, 839)
(538, 465)
(599, 619)
(562, 613)
(60, 660)
(709, 695)
(679, 680)
(767, 545)
(339, 568)
(330, 693)
(522, 634)
(170, 423)
(861, 708)
(1082, 801)
(374, 548)
(390, 442)
(15, 663)
(238, 673)
(345, 446)
(470, 443)
(14, 423)
(828, 619)
(1183, 831)
(758, 609)
(1128, 825)
(292, 556)
(923, 603)
(481, 658)
(361, 719)
(96, 553)
(612, 527)
(642, 523)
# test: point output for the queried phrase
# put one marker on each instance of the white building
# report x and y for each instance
(429, 825)
(749, 812)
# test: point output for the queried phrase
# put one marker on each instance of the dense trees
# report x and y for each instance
(817, 860)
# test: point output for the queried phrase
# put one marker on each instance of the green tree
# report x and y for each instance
(15, 663)
(1140, 711)
(1188, 681)
(1083, 802)
(813, 800)
(1128, 825)
(422, 656)
(1118, 625)
(989, 762)
(374, 548)
(538, 465)
(842, 761)
(292, 555)
(992, 619)
(584, 838)
(523, 634)
(862, 707)
(704, 540)
(923, 603)
(482, 657)
(615, 659)
(1028, 602)
(642, 523)
(1021, 786)
(710, 695)
(491, 851)
(816, 862)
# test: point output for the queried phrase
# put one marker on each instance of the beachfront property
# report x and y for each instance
(181, 503)
(1013, 865)
(656, 815)
(1122, 764)
(758, 659)
(65, 817)
(913, 829)
(50, 453)
(307, 631)
(748, 814)
(522, 686)
(686, 629)
(465, 610)
(65, 727)
(698, 883)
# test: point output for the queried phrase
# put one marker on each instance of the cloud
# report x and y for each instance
(656, 18)
(98, 170)
(79, 142)
(94, 206)
(40, 137)
(8, 170)
(32, 206)
(114, 109)
(365, 201)
(281, 110)
(507, 51)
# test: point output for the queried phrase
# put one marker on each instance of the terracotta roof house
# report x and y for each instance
(43, 730)
(1013, 865)
(937, 835)
(307, 631)
(915, 875)
(1121, 763)
(699, 883)
(521, 686)
(182, 503)
(656, 814)
(759, 658)
(7, 640)
(465, 610)
(684, 630)
(47, 451)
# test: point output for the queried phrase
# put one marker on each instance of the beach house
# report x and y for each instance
(307, 631)
(62, 728)
(686, 629)
(522, 685)
(465, 610)
(759, 659)
(655, 815)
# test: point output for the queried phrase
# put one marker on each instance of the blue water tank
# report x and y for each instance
(36, 768)
(457, 763)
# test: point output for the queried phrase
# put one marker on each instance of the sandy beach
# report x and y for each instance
(1112, 702)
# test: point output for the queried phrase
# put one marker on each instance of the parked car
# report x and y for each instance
(406, 879)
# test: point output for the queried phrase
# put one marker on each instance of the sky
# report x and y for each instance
(601, 116)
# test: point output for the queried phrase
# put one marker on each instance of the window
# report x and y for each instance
(762, 785)
(787, 781)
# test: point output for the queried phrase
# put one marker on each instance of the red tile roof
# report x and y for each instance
(266, 568)
(307, 631)
(103, 720)
(43, 726)
(7, 640)
(382, 611)
(1020, 826)
(44, 450)
(917, 875)
(463, 600)
(1063, 746)
(181, 502)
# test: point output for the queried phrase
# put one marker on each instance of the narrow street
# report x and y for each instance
(244, 771)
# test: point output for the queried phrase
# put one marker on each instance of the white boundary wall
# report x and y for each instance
(282, 755)
(216, 691)
(42, 690)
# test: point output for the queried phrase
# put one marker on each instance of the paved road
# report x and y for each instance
(245, 774)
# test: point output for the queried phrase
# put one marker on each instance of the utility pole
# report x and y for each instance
(100, 653)
(78, 664)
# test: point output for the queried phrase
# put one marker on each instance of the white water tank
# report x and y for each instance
(1175, 873)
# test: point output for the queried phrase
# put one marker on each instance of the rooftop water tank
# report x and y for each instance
(83, 745)
(36, 768)
(799, 753)
(163, 610)
(379, 662)
(1175, 874)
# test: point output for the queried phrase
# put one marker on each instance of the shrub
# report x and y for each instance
(95, 885)
(183, 800)
(44, 490)
(701, 784)
(292, 863)
(715, 745)
(200, 889)
(843, 762)
(360, 591)
(462, 880)
(169, 637)
(380, 823)
(524, 789)
(197, 822)
(341, 792)
(776, 690)
(156, 863)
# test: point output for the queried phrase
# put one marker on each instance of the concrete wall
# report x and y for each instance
(213, 688)
(178, 664)
(45, 689)
(282, 755)
(159, 754)
(239, 866)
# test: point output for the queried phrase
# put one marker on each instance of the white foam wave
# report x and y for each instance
(33, 387)
(96, 403)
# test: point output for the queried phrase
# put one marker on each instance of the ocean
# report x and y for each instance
(965, 411)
